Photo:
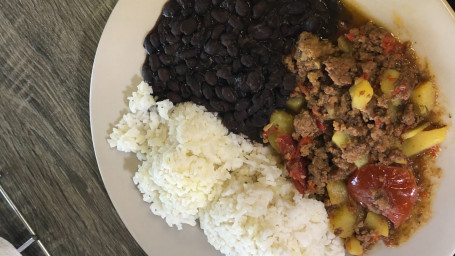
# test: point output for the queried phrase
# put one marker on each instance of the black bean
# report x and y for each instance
(187, 54)
(216, 105)
(242, 104)
(260, 32)
(154, 62)
(255, 81)
(228, 4)
(228, 94)
(166, 59)
(228, 39)
(149, 48)
(297, 7)
(236, 65)
(280, 100)
(163, 74)
(188, 26)
(211, 78)
(207, 91)
(224, 72)
(197, 100)
(260, 9)
(147, 74)
(247, 61)
(185, 91)
(235, 22)
(229, 121)
(180, 69)
(313, 23)
(289, 82)
(155, 40)
(170, 9)
(171, 49)
(220, 15)
(240, 116)
(175, 28)
(217, 31)
(233, 50)
(242, 7)
(201, 6)
(174, 97)
(173, 85)
(216, 2)
(185, 3)
(191, 63)
(213, 47)
(258, 121)
(194, 85)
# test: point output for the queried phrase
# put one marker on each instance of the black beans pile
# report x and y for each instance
(227, 54)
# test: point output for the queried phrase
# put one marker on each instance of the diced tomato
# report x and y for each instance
(365, 75)
(433, 151)
(388, 44)
(303, 89)
(287, 145)
(397, 186)
(350, 36)
(402, 88)
(298, 173)
(303, 141)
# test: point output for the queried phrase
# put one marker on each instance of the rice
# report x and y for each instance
(193, 168)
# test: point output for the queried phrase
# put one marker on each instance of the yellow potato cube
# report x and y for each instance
(378, 223)
(388, 81)
(361, 93)
(343, 222)
(413, 132)
(363, 160)
(353, 246)
(338, 192)
(423, 140)
(424, 98)
(340, 138)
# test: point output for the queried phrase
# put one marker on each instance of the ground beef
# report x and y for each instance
(341, 69)
(305, 125)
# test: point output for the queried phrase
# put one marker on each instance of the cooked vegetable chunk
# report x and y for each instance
(342, 222)
(340, 138)
(423, 140)
(295, 104)
(338, 192)
(363, 160)
(378, 223)
(424, 98)
(283, 121)
(353, 246)
(413, 132)
(388, 81)
(361, 93)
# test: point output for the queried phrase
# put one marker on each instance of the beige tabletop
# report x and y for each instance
(46, 155)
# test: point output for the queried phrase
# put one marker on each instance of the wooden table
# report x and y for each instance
(46, 154)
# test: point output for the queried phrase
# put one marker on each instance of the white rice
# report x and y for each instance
(194, 168)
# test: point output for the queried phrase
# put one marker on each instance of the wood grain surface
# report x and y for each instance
(46, 155)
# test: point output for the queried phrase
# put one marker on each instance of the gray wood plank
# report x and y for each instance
(46, 154)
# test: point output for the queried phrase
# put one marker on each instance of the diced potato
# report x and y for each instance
(423, 140)
(353, 246)
(338, 192)
(283, 120)
(272, 140)
(388, 81)
(378, 223)
(340, 138)
(344, 44)
(363, 160)
(295, 104)
(413, 132)
(424, 98)
(344, 221)
(361, 93)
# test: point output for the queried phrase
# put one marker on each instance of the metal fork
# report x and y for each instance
(34, 237)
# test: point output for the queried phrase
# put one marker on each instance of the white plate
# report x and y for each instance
(116, 72)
